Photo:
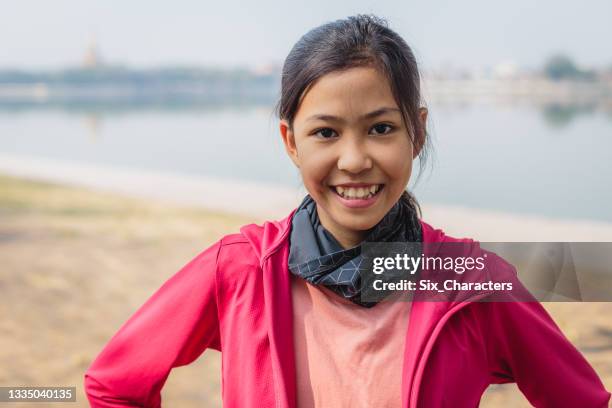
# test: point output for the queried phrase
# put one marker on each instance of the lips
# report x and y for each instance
(357, 191)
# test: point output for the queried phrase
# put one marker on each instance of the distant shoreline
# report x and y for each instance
(189, 93)
(264, 201)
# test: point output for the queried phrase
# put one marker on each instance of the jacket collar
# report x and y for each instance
(269, 237)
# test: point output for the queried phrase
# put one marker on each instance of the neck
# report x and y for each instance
(346, 238)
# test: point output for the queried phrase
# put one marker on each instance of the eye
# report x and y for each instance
(325, 133)
(382, 128)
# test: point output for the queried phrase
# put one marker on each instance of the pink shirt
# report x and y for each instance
(346, 355)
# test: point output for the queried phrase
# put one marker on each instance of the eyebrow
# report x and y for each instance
(370, 115)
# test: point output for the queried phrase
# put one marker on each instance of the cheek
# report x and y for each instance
(396, 162)
(315, 166)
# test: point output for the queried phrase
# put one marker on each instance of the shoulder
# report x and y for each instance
(230, 254)
(237, 260)
(235, 248)
(433, 234)
(233, 239)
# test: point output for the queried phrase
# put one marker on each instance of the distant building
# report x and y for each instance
(506, 70)
(267, 68)
(92, 58)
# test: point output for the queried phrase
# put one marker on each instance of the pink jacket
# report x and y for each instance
(235, 297)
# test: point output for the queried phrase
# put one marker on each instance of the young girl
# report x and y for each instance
(282, 301)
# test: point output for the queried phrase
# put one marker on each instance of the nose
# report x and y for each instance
(353, 156)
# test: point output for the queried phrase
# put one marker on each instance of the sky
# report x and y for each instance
(38, 34)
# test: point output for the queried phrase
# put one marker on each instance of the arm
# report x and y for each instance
(173, 328)
(529, 348)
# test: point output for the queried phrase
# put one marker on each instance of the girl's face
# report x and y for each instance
(352, 149)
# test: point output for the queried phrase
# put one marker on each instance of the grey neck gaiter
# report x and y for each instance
(316, 256)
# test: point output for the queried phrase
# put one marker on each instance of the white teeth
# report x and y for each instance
(360, 192)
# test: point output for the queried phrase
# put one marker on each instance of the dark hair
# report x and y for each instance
(361, 40)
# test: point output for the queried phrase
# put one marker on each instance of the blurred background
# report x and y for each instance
(131, 133)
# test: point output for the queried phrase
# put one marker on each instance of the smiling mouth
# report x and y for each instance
(357, 193)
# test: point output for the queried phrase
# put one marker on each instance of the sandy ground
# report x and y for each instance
(77, 263)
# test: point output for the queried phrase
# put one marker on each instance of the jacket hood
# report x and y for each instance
(266, 238)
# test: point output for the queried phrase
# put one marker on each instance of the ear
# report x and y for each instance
(420, 139)
(289, 142)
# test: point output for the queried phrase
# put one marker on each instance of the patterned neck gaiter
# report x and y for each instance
(316, 256)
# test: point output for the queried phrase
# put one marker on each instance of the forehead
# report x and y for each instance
(347, 93)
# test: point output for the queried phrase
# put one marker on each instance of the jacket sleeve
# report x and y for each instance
(173, 327)
(528, 348)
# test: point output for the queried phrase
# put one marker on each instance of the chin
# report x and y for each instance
(358, 223)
